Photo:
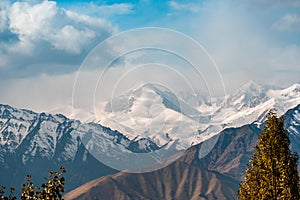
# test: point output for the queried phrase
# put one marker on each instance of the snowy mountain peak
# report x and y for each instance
(249, 95)
(145, 119)
(157, 88)
(153, 111)
(55, 137)
(9, 112)
(290, 92)
(250, 86)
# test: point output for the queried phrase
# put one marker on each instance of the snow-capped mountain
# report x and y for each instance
(150, 118)
(292, 124)
(152, 111)
(43, 133)
(34, 143)
(253, 101)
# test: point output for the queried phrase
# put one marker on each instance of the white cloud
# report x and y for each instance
(114, 9)
(39, 38)
(275, 3)
(3, 14)
(289, 22)
(43, 33)
(63, 29)
(103, 9)
(32, 21)
(192, 7)
(71, 39)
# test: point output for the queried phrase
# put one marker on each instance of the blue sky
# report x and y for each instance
(45, 42)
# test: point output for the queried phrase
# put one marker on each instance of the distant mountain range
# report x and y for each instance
(155, 112)
(225, 132)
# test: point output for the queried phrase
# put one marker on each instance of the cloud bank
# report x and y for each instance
(43, 43)
(289, 22)
(42, 38)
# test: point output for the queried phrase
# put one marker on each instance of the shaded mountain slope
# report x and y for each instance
(177, 181)
(215, 176)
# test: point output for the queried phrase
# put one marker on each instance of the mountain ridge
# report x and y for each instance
(172, 114)
(34, 143)
(29, 139)
(224, 167)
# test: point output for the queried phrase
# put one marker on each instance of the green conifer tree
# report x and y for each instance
(272, 170)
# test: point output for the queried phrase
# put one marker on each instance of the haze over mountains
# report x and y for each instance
(157, 113)
(34, 143)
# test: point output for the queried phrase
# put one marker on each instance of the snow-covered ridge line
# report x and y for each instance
(154, 112)
(57, 137)
(143, 120)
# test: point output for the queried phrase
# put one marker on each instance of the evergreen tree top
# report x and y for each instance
(272, 170)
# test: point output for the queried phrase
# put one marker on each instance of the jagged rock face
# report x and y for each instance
(33, 143)
(292, 124)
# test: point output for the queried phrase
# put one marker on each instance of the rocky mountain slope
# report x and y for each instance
(33, 143)
(178, 181)
(215, 176)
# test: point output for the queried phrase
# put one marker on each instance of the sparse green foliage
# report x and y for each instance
(272, 170)
(52, 189)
